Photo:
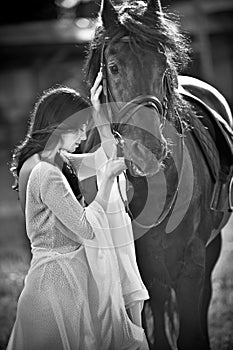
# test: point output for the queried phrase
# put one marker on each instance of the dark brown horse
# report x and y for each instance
(177, 177)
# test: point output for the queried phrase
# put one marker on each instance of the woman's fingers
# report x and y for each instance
(100, 119)
(118, 166)
(115, 165)
(99, 77)
(96, 91)
(97, 82)
(96, 101)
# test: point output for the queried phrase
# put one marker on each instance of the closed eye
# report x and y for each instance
(83, 128)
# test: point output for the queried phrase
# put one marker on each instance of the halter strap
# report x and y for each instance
(130, 108)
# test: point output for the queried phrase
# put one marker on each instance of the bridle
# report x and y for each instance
(126, 112)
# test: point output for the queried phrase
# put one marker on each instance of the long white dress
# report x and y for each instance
(122, 237)
(62, 306)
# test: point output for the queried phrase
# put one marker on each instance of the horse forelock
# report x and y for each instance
(153, 30)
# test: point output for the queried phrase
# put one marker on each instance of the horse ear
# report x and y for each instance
(108, 14)
(153, 6)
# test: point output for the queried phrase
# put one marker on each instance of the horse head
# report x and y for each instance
(137, 48)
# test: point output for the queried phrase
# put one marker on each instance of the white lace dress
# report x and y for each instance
(64, 305)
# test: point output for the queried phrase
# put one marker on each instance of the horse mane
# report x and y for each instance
(149, 31)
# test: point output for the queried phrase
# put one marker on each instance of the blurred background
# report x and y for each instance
(43, 43)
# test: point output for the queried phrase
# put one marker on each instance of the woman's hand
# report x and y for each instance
(115, 165)
(96, 91)
(113, 168)
(100, 119)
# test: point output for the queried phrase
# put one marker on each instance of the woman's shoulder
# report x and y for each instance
(30, 163)
(28, 166)
(46, 169)
(36, 168)
(25, 174)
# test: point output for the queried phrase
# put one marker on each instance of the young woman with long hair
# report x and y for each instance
(73, 295)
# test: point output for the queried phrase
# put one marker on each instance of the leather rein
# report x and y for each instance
(125, 113)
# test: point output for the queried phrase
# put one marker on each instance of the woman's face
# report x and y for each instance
(72, 139)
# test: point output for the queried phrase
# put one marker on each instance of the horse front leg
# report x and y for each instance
(160, 315)
(212, 254)
(189, 292)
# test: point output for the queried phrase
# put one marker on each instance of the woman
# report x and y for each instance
(60, 306)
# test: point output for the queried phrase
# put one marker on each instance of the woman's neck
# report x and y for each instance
(48, 155)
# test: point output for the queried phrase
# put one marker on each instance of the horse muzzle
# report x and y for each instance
(140, 160)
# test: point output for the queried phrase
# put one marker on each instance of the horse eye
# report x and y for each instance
(113, 69)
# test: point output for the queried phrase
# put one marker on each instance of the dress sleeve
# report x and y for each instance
(57, 195)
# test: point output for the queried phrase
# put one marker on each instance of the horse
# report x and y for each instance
(168, 126)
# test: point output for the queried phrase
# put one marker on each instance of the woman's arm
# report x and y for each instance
(57, 195)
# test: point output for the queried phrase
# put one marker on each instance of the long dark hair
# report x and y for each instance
(52, 111)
